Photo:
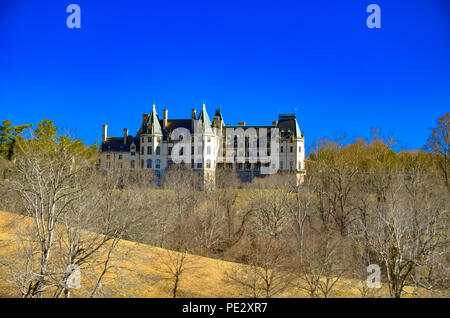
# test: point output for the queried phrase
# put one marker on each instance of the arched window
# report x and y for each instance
(149, 163)
(157, 164)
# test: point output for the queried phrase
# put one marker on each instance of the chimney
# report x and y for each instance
(241, 123)
(145, 117)
(164, 118)
(105, 132)
(275, 123)
(125, 136)
(194, 113)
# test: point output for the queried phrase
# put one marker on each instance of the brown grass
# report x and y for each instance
(135, 274)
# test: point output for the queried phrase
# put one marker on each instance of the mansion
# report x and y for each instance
(206, 146)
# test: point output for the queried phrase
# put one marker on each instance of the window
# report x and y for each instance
(209, 139)
(132, 164)
(133, 153)
(158, 139)
(208, 150)
(208, 163)
(157, 174)
(142, 150)
(199, 165)
(149, 150)
(281, 165)
(120, 157)
(291, 165)
(247, 166)
(142, 139)
(258, 166)
(149, 139)
(299, 149)
(120, 165)
(149, 163)
(170, 151)
(142, 163)
(299, 165)
(292, 149)
(281, 148)
(240, 166)
(157, 164)
(158, 150)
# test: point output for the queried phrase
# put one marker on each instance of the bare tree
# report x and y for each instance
(265, 273)
(172, 266)
(408, 228)
(322, 268)
(439, 144)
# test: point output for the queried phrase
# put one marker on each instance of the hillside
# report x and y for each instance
(134, 274)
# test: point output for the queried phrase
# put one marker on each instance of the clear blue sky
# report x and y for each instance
(254, 59)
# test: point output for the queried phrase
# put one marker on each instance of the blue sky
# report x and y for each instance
(254, 59)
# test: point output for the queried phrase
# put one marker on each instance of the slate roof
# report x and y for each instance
(153, 124)
(203, 117)
(117, 144)
(287, 123)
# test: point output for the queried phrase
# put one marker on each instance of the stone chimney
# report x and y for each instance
(241, 123)
(125, 136)
(275, 123)
(105, 132)
(194, 114)
(164, 118)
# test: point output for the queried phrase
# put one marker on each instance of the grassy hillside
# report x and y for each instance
(135, 272)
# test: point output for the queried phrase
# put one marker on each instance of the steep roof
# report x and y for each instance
(288, 123)
(117, 144)
(203, 117)
(153, 125)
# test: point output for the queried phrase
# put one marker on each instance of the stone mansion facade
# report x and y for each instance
(206, 146)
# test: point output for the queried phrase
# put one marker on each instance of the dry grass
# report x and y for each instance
(135, 274)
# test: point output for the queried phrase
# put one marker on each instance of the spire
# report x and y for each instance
(205, 120)
(153, 122)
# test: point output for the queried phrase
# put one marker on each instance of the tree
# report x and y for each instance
(439, 143)
(301, 208)
(322, 268)
(408, 229)
(57, 186)
(265, 272)
(9, 136)
(172, 265)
